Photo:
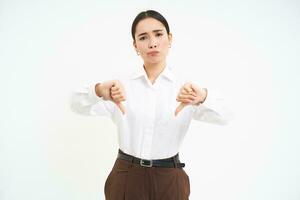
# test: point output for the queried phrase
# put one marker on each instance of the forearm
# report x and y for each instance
(85, 100)
(214, 109)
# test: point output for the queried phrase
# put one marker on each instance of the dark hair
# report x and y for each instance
(148, 14)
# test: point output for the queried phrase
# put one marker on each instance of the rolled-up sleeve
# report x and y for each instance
(85, 101)
(214, 109)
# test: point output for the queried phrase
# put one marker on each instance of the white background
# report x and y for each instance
(249, 50)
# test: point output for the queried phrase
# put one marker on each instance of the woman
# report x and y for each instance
(152, 110)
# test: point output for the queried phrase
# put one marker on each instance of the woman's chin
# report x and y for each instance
(154, 60)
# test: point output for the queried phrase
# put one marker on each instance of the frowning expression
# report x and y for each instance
(152, 40)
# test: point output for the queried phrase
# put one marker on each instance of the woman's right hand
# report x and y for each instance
(112, 90)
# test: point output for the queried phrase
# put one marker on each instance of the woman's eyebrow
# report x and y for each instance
(154, 31)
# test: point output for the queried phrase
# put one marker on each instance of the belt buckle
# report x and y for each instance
(142, 163)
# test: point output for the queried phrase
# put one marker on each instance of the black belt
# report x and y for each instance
(167, 162)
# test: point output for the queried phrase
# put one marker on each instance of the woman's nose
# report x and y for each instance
(152, 43)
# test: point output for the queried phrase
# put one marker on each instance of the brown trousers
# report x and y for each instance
(129, 181)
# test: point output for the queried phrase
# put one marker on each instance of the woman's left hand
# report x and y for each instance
(190, 93)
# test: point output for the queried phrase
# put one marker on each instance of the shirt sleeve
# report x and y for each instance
(85, 101)
(213, 110)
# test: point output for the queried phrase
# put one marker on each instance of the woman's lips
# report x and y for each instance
(152, 53)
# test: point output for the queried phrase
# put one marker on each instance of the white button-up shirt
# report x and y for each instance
(149, 128)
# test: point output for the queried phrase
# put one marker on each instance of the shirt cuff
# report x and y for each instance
(214, 109)
(210, 100)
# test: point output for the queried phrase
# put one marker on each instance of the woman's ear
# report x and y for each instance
(134, 45)
(170, 36)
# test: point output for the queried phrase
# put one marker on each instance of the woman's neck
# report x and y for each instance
(154, 69)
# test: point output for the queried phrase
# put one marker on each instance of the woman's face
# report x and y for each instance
(151, 36)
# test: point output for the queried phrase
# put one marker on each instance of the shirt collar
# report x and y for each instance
(167, 72)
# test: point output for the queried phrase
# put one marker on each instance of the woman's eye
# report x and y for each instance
(144, 37)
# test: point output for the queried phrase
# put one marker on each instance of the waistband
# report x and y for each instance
(172, 162)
